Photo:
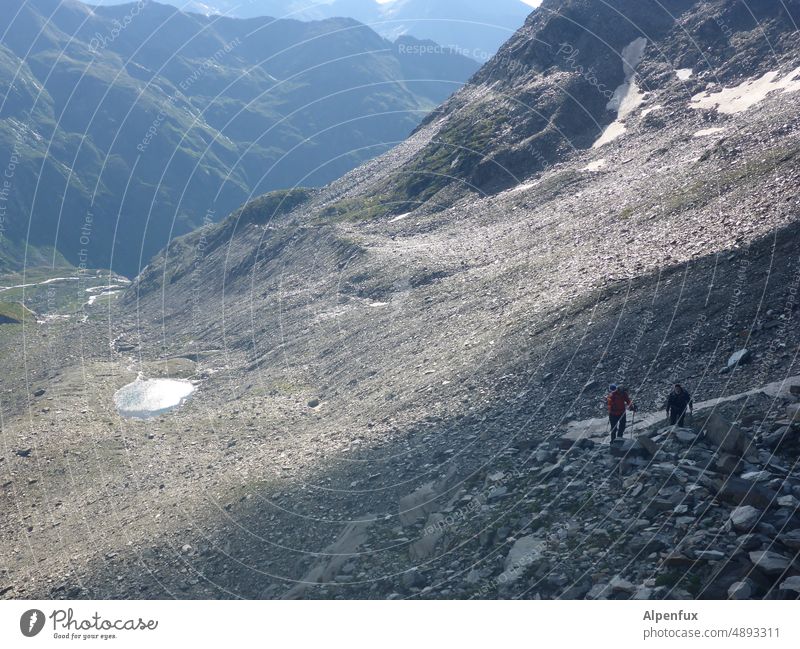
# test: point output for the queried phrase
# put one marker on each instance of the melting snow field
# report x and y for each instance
(709, 131)
(746, 95)
(595, 165)
(143, 399)
(628, 96)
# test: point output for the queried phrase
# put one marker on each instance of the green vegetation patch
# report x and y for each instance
(361, 208)
(15, 313)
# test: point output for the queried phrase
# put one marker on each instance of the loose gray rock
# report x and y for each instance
(745, 518)
(792, 584)
(740, 590)
(620, 585)
(524, 552)
(770, 563)
(742, 357)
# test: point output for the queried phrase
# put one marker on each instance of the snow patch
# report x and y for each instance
(652, 109)
(628, 96)
(400, 217)
(746, 95)
(708, 131)
(143, 399)
(522, 188)
(595, 165)
(614, 130)
(684, 74)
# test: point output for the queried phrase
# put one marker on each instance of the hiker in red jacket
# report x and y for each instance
(619, 402)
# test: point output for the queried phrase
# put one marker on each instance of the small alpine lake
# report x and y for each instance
(146, 398)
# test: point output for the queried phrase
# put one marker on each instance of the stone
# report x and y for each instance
(777, 437)
(417, 505)
(550, 471)
(742, 492)
(25, 452)
(725, 436)
(709, 555)
(424, 547)
(626, 448)
(648, 444)
(742, 357)
(474, 576)
(740, 590)
(726, 463)
(313, 403)
(793, 412)
(789, 501)
(791, 539)
(757, 476)
(599, 591)
(747, 542)
(497, 493)
(684, 436)
(620, 585)
(523, 553)
(768, 562)
(745, 518)
(39, 392)
(792, 584)
(678, 560)
(413, 579)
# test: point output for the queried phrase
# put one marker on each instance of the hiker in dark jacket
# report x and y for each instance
(619, 402)
(677, 403)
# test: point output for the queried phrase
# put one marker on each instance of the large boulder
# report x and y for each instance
(770, 563)
(725, 436)
(742, 492)
(745, 518)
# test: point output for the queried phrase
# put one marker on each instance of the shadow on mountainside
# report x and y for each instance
(499, 447)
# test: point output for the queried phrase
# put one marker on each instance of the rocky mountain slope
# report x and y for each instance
(124, 126)
(400, 375)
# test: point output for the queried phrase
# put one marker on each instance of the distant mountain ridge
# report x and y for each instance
(475, 28)
(131, 124)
